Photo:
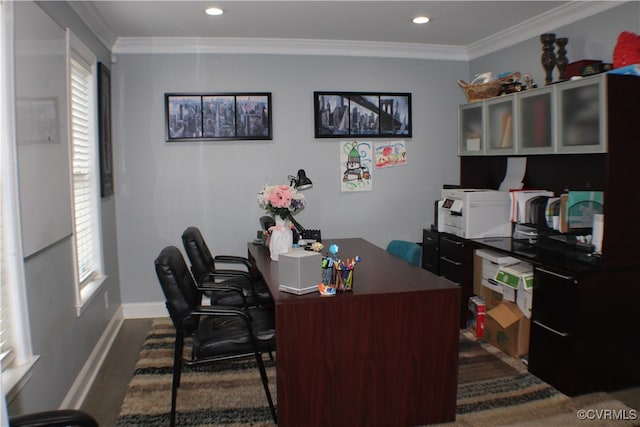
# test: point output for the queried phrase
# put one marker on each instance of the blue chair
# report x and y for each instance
(408, 251)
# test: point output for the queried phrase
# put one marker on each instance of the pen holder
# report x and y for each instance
(340, 279)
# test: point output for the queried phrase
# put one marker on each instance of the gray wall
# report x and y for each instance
(590, 38)
(62, 340)
(161, 188)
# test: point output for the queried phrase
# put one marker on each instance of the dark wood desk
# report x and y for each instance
(384, 354)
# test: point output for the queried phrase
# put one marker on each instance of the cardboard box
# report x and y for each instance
(512, 277)
(492, 299)
(524, 297)
(476, 318)
(507, 328)
(300, 271)
(488, 262)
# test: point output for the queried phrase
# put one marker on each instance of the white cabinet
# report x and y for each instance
(568, 117)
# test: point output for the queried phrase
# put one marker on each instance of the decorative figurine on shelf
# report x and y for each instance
(562, 61)
(528, 81)
(548, 56)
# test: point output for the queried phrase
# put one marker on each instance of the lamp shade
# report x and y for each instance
(301, 182)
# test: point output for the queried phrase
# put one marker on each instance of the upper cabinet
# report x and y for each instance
(568, 117)
(470, 129)
(581, 116)
(536, 121)
(500, 125)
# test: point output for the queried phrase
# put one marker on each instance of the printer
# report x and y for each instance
(474, 213)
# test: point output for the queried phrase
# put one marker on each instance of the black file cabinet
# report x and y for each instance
(431, 250)
(452, 257)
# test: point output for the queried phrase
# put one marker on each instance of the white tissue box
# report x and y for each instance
(300, 271)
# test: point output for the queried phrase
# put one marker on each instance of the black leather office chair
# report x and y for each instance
(203, 268)
(54, 418)
(217, 332)
(409, 251)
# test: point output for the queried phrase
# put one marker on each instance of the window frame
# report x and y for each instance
(16, 369)
(86, 288)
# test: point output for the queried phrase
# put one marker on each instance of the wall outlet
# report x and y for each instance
(106, 300)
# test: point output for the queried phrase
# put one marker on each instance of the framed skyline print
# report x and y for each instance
(362, 114)
(218, 116)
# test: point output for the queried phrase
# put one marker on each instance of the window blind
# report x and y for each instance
(83, 161)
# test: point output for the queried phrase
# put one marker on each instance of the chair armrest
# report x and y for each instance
(232, 259)
(224, 286)
(232, 274)
(54, 418)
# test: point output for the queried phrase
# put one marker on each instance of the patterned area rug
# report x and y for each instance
(493, 390)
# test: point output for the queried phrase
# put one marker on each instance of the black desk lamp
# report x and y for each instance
(301, 182)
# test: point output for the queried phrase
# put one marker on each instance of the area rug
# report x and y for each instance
(494, 390)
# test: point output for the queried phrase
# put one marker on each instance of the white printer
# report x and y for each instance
(474, 213)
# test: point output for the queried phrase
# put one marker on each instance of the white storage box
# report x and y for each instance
(491, 262)
(300, 271)
(516, 280)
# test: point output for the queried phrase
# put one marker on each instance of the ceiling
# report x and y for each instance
(454, 24)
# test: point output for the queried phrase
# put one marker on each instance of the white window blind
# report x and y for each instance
(84, 171)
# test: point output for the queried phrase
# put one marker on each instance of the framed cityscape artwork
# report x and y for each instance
(218, 116)
(362, 115)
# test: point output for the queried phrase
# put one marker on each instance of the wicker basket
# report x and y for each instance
(481, 91)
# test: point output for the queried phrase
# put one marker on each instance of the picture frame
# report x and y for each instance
(218, 116)
(362, 115)
(104, 131)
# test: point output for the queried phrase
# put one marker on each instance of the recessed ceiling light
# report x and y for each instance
(214, 11)
(421, 19)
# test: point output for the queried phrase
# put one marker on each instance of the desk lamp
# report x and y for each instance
(302, 182)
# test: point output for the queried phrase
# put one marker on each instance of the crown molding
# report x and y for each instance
(128, 45)
(546, 22)
(88, 13)
(556, 18)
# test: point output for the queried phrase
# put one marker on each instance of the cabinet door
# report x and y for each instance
(552, 345)
(500, 125)
(581, 116)
(431, 251)
(470, 123)
(535, 121)
(452, 257)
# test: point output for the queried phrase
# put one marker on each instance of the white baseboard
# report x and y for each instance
(89, 371)
(81, 386)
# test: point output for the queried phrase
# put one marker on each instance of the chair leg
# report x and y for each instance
(177, 371)
(265, 384)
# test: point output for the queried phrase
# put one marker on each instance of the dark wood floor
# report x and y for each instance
(110, 386)
(105, 397)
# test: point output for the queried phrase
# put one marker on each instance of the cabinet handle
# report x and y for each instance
(455, 242)
(553, 273)
(562, 334)
(444, 258)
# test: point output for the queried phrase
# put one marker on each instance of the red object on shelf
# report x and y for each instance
(627, 50)
(575, 68)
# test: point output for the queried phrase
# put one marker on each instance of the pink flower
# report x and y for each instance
(281, 196)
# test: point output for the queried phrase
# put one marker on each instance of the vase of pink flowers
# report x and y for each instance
(281, 201)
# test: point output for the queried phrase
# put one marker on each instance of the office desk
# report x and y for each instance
(384, 354)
